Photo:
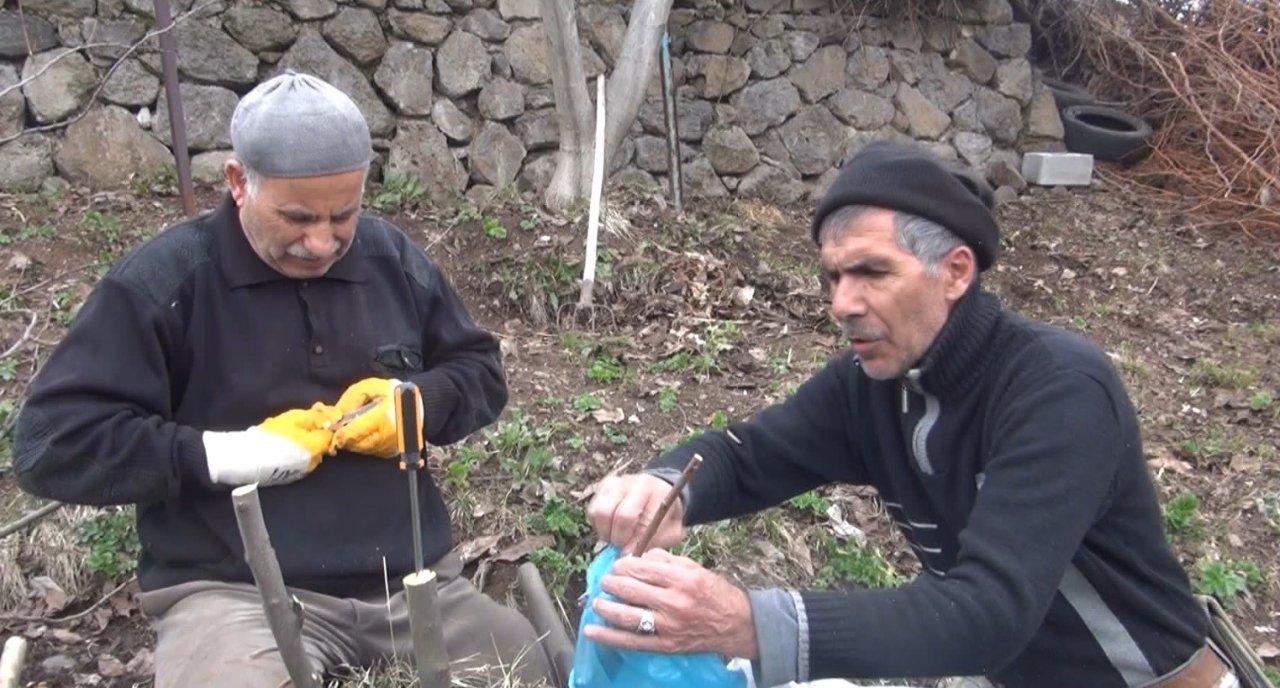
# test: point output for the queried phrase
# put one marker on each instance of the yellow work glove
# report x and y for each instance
(280, 449)
(373, 432)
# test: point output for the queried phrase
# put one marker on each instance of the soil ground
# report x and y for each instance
(702, 319)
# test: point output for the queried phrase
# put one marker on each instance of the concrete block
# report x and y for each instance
(1058, 169)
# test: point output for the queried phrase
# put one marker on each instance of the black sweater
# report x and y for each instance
(193, 332)
(1011, 461)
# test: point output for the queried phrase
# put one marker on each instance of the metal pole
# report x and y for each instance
(673, 130)
(177, 122)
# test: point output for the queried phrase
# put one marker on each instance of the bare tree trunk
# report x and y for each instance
(573, 103)
(429, 652)
(284, 612)
(626, 92)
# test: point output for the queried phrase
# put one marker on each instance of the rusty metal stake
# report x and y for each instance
(177, 122)
(673, 131)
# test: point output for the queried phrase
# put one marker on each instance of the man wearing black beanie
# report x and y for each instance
(1007, 452)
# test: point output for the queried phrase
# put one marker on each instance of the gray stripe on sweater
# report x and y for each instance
(1110, 634)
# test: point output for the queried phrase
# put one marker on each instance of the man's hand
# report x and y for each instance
(373, 432)
(694, 610)
(625, 505)
(279, 450)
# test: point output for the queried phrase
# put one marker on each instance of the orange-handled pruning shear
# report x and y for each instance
(408, 405)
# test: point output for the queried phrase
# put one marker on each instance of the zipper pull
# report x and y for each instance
(904, 398)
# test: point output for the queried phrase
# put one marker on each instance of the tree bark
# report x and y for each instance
(625, 93)
(284, 613)
(429, 652)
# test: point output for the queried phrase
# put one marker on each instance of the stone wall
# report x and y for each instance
(772, 94)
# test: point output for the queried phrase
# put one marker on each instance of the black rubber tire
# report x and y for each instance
(1066, 95)
(1105, 133)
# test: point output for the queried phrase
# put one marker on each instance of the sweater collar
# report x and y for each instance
(961, 351)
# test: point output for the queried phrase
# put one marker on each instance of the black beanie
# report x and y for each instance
(907, 178)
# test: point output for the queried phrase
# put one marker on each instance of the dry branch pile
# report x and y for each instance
(1207, 73)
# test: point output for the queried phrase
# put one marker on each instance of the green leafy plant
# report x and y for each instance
(606, 369)
(399, 190)
(811, 502)
(523, 449)
(1273, 676)
(559, 518)
(1181, 517)
(493, 227)
(576, 441)
(586, 403)
(529, 217)
(574, 342)
(1261, 401)
(614, 435)
(8, 370)
(457, 473)
(719, 420)
(847, 563)
(1227, 580)
(668, 398)
(6, 447)
(557, 568)
(112, 541)
(677, 362)
(468, 212)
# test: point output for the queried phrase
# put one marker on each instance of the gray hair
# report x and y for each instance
(252, 179)
(923, 238)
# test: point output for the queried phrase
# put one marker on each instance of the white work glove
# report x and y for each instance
(279, 450)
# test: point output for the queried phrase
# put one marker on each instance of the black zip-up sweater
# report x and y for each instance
(1011, 460)
(193, 332)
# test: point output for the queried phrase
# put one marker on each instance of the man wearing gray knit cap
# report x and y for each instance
(223, 352)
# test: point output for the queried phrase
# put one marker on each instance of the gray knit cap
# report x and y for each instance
(296, 125)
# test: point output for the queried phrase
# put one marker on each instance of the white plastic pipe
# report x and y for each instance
(597, 189)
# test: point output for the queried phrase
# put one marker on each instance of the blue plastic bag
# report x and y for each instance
(598, 666)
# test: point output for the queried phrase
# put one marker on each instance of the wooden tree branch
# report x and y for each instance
(29, 519)
(685, 476)
(11, 662)
(426, 628)
(284, 613)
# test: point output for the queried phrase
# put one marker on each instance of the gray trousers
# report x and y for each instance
(216, 634)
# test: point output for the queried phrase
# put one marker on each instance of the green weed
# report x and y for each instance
(399, 190)
(1181, 517)
(866, 567)
(457, 473)
(557, 568)
(614, 435)
(559, 518)
(1261, 401)
(529, 217)
(719, 420)
(587, 403)
(468, 212)
(606, 369)
(668, 398)
(574, 342)
(810, 502)
(493, 227)
(523, 449)
(8, 370)
(112, 540)
(1227, 580)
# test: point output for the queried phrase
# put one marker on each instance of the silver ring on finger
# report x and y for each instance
(648, 623)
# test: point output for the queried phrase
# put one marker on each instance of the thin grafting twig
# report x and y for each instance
(692, 467)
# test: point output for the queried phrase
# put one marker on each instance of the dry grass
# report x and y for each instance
(400, 674)
(48, 548)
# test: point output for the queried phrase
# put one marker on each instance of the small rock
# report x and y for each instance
(1005, 195)
(58, 664)
(109, 666)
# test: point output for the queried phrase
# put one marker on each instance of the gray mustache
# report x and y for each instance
(855, 330)
(297, 251)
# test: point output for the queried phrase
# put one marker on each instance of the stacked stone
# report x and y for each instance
(773, 95)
